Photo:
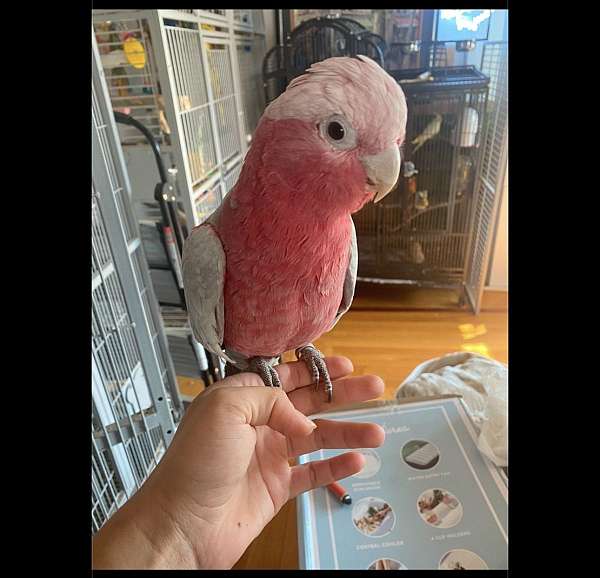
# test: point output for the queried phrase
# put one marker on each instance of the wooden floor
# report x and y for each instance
(388, 332)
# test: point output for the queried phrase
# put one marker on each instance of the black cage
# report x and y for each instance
(422, 231)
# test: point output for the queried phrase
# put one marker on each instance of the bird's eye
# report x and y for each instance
(335, 130)
(338, 131)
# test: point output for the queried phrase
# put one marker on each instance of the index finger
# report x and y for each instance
(295, 374)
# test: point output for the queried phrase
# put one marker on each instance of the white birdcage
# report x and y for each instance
(251, 49)
(201, 100)
(132, 83)
(225, 97)
(243, 18)
(258, 21)
(231, 177)
(494, 64)
(135, 399)
(208, 199)
(191, 101)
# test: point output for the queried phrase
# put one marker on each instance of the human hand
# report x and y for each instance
(227, 471)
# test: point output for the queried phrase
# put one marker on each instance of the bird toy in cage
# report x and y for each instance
(274, 267)
(134, 51)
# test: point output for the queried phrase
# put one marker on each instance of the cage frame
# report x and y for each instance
(130, 433)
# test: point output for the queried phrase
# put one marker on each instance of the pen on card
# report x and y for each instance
(340, 493)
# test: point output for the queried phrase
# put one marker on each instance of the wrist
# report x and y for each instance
(144, 534)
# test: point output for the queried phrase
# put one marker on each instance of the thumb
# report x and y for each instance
(267, 406)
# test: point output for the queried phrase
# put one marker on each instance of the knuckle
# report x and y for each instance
(220, 395)
(226, 400)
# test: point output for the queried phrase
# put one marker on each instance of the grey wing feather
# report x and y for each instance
(203, 265)
(350, 279)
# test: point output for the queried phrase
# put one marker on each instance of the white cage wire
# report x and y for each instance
(218, 13)
(232, 177)
(493, 163)
(220, 68)
(251, 50)
(208, 200)
(135, 399)
(258, 21)
(243, 17)
(132, 84)
(205, 102)
(495, 64)
(192, 101)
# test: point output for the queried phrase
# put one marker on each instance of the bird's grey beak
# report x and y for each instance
(382, 171)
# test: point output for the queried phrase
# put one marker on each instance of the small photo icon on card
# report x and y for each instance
(462, 560)
(373, 517)
(439, 508)
(387, 564)
(420, 454)
(372, 464)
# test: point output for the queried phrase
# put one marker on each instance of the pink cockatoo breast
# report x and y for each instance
(280, 296)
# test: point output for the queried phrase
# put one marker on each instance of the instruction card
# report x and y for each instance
(426, 499)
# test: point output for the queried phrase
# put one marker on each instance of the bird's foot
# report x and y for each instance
(267, 372)
(314, 359)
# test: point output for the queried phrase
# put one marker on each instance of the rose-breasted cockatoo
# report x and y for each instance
(274, 267)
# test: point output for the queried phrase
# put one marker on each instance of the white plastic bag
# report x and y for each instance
(493, 439)
(483, 384)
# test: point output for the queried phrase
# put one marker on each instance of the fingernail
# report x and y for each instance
(312, 423)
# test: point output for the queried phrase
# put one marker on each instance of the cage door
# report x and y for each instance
(224, 93)
(492, 169)
(189, 97)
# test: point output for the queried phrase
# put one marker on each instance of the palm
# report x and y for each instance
(275, 471)
(268, 476)
(244, 474)
(262, 488)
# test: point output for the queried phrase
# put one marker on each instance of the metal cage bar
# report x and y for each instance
(251, 51)
(492, 168)
(136, 401)
(221, 77)
(232, 177)
(208, 199)
(129, 84)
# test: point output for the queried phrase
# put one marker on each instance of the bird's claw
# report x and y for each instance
(316, 365)
(267, 372)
